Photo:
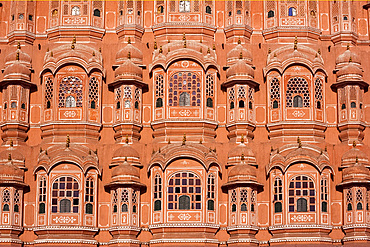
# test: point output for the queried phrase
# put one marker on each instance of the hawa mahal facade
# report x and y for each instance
(184, 123)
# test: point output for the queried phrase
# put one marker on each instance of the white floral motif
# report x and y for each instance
(64, 219)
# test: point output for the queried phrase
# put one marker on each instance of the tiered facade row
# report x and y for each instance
(184, 123)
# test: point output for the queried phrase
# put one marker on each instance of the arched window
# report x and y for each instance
(270, 14)
(278, 207)
(48, 104)
(209, 102)
(297, 101)
(233, 201)
(302, 187)
(253, 200)
(65, 193)
(241, 104)
(92, 105)
(159, 103)
(233, 208)
(184, 82)
(184, 202)
(184, 99)
(23, 106)
(292, 11)
(134, 201)
(208, 10)
(54, 13)
(278, 194)
(157, 194)
(71, 86)
(318, 93)
(75, 10)
(359, 199)
(42, 195)
(65, 206)
(250, 105)
(297, 85)
(6, 200)
(275, 93)
(70, 101)
(160, 9)
(243, 207)
(211, 191)
(118, 106)
(349, 199)
(16, 201)
(349, 207)
(232, 105)
(275, 104)
(89, 195)
(359, 206)
(5, 106)
(96, 12)
(127, 104)
(353, 104)
(343, 106)
(13, 105)
(124, 200)
(93, 92)
(301, 205)
(188, 184)
(324, 207)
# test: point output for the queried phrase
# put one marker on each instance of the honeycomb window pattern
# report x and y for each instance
(118, 93)
(232, 94)
(70, 86)
(241, 92)
(275, 92)
(127, 94)
(318, 90)
(137, 95)
(243, 195)
(94, 91)
(297, 86)
(159, 86)
(209, 85)
(48, 92)
(184, 82)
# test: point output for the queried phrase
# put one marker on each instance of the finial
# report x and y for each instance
(153, 151)
(93, 53)
(241, 55)
(155, 45)
(47, 49)
(326, 149)
(159, 150)
(208, 51)
(201, 41)
(316, 55)
(129, 55)
(9, 157)
(126, 140)
(126, 159)
(200, 50)
(269, 52)
(89, 152)
(18, 45)
(168, 41)
(51, 54)
(74, 39)
(169, 140)
(319, 51)
(68, 141)
(242, 157)
(17, 56)
(200, 141)
(271, 149)
(11, 143)
(295, 43)
(73, 46)
(183, 37)
(100, 49)
(347, 46)
(242, 139)
(354, 144)
(356, 159)
(299, 142)
(160, 49)
(40, 149)
(96, 151)
(277, 150)
(184, 139)
(185, 44)
(214, 150)
(350, 59)
(214, 47)
(239, 41)
(274, 54)
(46, 152)
(129, 40)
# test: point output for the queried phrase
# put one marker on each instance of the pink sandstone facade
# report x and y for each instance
(184, 123)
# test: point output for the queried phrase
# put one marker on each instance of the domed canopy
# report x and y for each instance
(12, 154)
(129, 52)
(347, 56)
(350, 69)
(241, 175)
(126, 154)
(240, 69)
(355, 174)
(18, 55)
(237, 52)
(128, 70)
(241, 154)
(9, 171)
(17, 70)
(353, 156)
(125, 171)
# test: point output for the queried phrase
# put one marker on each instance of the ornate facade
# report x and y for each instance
(181, 123)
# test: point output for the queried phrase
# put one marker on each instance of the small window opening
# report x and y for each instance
(270, 14)
(292, 11)
(232, 105)
(96, 12)
(353, 104)
(275, 104)
(208, 10)
(243, 207)
(159, 102)
(297, 101)
(241, 104)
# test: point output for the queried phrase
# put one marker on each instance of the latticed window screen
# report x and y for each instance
(324, 195)
(184, 185)
(302, 194)
(65, 192)
(124, 200)
(297, 86)
(241, 92)
(6, 200)
(115, 201)
(275, 93)
(48, 92)
(211, 186)
(16, 201)
(157, 194)
(89, 195)
(159, 86)
(70, 86)
(318, 93)
(184, 85)
(209, 85)
(42, 195)
(93, 92)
